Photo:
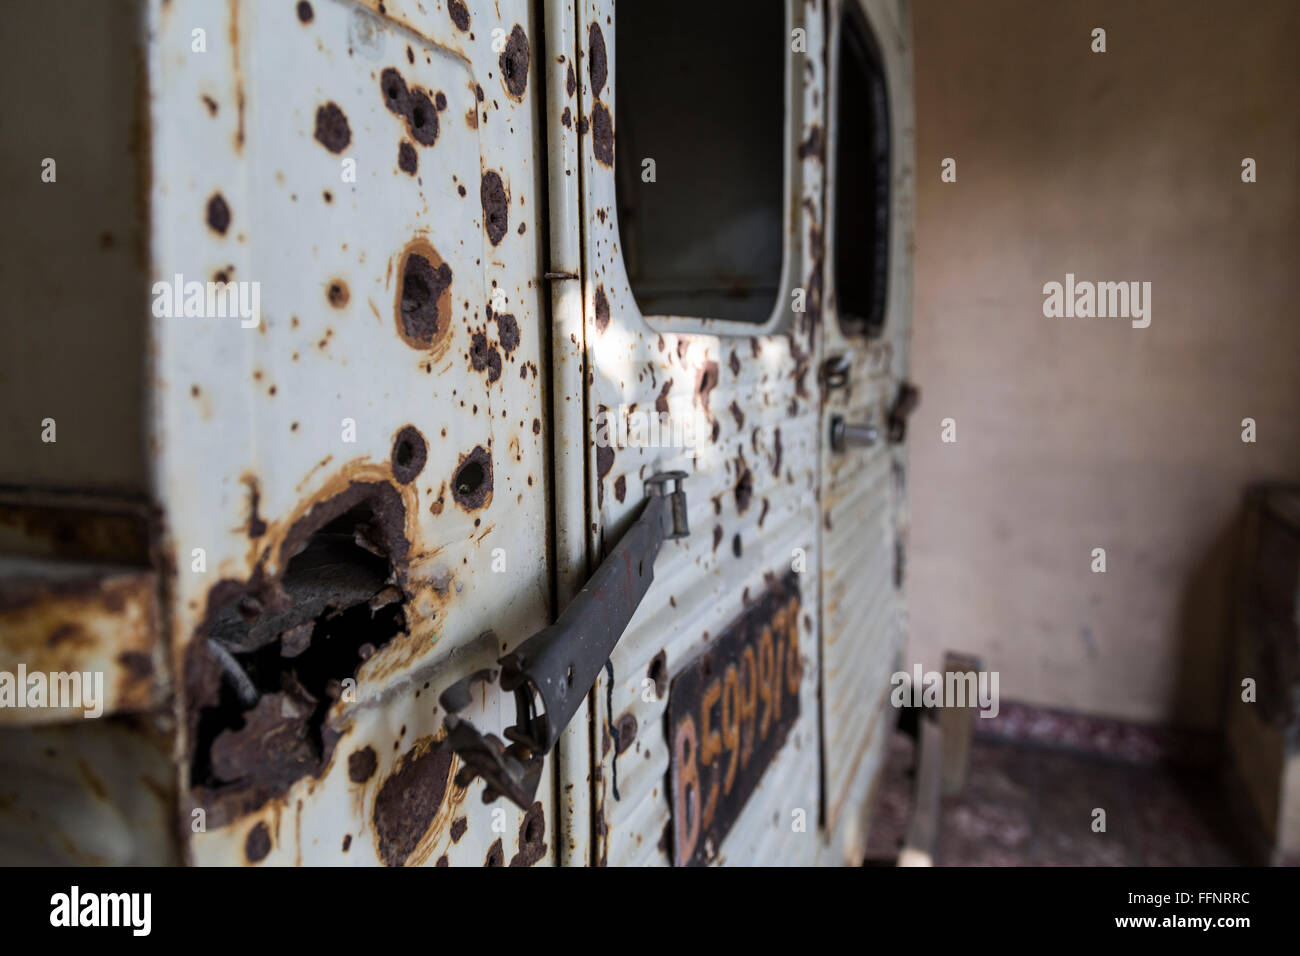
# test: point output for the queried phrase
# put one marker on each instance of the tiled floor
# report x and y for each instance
(1030, 806)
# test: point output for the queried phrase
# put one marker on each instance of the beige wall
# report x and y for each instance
(1081, 433)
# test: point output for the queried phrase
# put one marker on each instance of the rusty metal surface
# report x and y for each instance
(92, 622)
(753, 483)
(387, 407)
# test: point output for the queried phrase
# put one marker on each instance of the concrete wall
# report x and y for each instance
(1074, 434)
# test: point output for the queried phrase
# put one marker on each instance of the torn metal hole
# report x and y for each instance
(282, 655)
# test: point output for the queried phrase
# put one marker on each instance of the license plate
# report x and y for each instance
(729, 712)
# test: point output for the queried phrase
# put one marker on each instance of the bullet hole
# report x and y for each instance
(258, 843)
(459, 14)
(304, 11)
(604, 464)
(706, 379)
(717, 536)
(570, 81)
(337, 293)
(409, 800)
(329, 196)
(602, 309)
(483, 356)
(658, 673)
(362, 764)
(776, 453)
(407, 159)
(266, 667)
(532, 837)
(598, 62)
(537, 426)
(211, 104)
(410, 452)
(440, 101)
(602, 135)
(567, 118)
(624, 733)
(620, 488)
(661, 400)
(395, 92)
(496, 212)
(495, 855)
(737, 414)
(332, 130)
(422, 118)
(734, 363)
(514, 63)
(744, 488)
(736, 549)
(458, 828)
(461, 189)
(347, 842)
(218, 214)
(472, 484)
(424, 297)
(507, 332)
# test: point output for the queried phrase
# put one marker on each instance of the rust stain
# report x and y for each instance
(332, 129)
(532, 837)
(422, 306)
(409, 801)
(496, 206)
(258, 843)
(459, 14)
(337, 293)
(597, 59)
(483, 356)
(408, 161)
(602, 309)
(218, 214)
(514, 63)
(362, 764)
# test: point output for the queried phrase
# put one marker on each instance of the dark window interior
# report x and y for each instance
(700, 89)
(861, 182)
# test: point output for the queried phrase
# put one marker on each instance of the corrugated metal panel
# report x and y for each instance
(752, 491)
(864, 501)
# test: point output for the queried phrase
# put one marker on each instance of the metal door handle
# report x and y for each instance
(551, 672)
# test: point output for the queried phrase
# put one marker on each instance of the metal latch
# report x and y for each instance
(551, 672)
(845, 435)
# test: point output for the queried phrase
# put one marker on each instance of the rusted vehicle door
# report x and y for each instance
(701, 351)
(355, 483)
(866, 327)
